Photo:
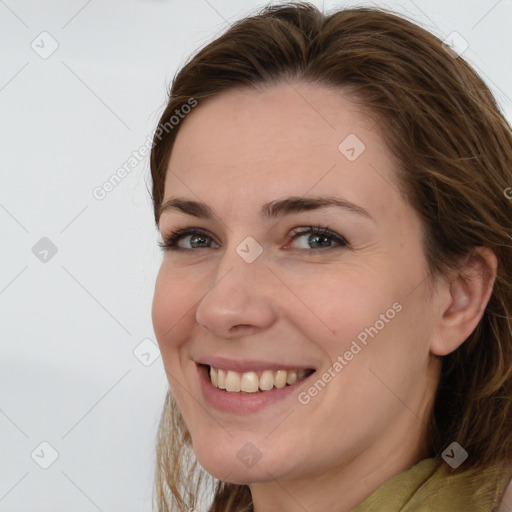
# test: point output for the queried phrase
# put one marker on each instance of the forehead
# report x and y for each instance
(288, 139)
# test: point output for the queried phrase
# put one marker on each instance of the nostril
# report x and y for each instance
(240, 327)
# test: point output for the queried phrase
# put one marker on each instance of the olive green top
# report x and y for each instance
(421, 489)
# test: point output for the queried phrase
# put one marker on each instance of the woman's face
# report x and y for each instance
(306, 259)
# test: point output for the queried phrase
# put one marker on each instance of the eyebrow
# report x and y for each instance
(273, 209)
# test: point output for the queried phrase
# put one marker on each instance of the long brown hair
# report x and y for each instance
(454, 153)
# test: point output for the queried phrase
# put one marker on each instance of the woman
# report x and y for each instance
(333, 306)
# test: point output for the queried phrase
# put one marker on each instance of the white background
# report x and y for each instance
(69, 326)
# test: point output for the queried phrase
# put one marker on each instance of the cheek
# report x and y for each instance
(333, 307)
(172, 307)
(173, 316)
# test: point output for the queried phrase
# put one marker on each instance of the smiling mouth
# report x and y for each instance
(254, 381)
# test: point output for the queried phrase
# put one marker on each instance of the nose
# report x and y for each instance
(239, 301)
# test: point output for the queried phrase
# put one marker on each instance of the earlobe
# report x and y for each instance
(466, 295)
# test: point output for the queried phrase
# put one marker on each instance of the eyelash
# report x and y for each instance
(170, 241)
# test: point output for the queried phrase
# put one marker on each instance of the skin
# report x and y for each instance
(298, 304)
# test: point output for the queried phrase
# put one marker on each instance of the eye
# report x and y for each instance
(187, 239)
(313, 238)
(316, 238)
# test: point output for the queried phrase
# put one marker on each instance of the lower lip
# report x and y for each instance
(242, 402)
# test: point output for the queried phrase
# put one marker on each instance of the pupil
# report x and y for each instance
(198, 241)
(313, 239)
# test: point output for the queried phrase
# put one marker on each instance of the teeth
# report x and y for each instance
(221, 378)
(266, 380)
(213, 375)
(292, 377)
(301, 374)
(232, 381)
(249, 382)
(280, 379)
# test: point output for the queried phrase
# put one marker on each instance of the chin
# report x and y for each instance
(234, 474)
(240, 463)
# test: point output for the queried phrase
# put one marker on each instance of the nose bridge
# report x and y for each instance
(241, 270)
(239, 294)
(241, 257)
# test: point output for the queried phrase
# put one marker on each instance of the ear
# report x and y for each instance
(463, 297)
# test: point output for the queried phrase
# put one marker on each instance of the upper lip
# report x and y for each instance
(246, 365)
